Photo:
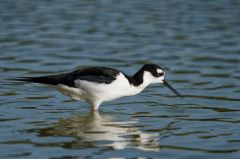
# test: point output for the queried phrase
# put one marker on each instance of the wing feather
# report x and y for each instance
(93, 74)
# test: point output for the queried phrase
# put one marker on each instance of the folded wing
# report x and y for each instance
(92, 74)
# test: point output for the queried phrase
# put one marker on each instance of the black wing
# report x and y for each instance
(93, 74)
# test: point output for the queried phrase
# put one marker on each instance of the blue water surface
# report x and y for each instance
(196, 42)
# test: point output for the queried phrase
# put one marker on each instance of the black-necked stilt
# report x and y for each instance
(98, 84)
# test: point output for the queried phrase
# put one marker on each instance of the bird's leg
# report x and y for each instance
(95, 106)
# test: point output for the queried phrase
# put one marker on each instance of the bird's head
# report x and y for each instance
(155, 74)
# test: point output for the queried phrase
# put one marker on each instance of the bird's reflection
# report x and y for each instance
(96, 130)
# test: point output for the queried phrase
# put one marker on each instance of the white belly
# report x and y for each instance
(107, 92)
(93, 91)
(74, 93)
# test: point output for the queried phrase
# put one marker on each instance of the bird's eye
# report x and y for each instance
(161, 74)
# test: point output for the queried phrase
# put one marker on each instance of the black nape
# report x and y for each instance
(137, 78)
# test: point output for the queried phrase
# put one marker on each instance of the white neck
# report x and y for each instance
(147, 79)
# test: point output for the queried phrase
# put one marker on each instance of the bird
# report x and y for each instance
(96, 85)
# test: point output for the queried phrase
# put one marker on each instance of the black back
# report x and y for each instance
(93, 74)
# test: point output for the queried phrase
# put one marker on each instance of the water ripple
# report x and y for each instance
(197, 44)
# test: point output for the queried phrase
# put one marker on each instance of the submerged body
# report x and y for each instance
(98, 84)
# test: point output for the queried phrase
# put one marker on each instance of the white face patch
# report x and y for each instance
(161, 78)
(159, 71)
(148, 78)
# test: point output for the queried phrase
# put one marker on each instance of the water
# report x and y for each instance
(197, 42)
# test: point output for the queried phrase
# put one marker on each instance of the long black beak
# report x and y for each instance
(172, 89)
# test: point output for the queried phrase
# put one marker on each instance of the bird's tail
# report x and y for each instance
(42, 80)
